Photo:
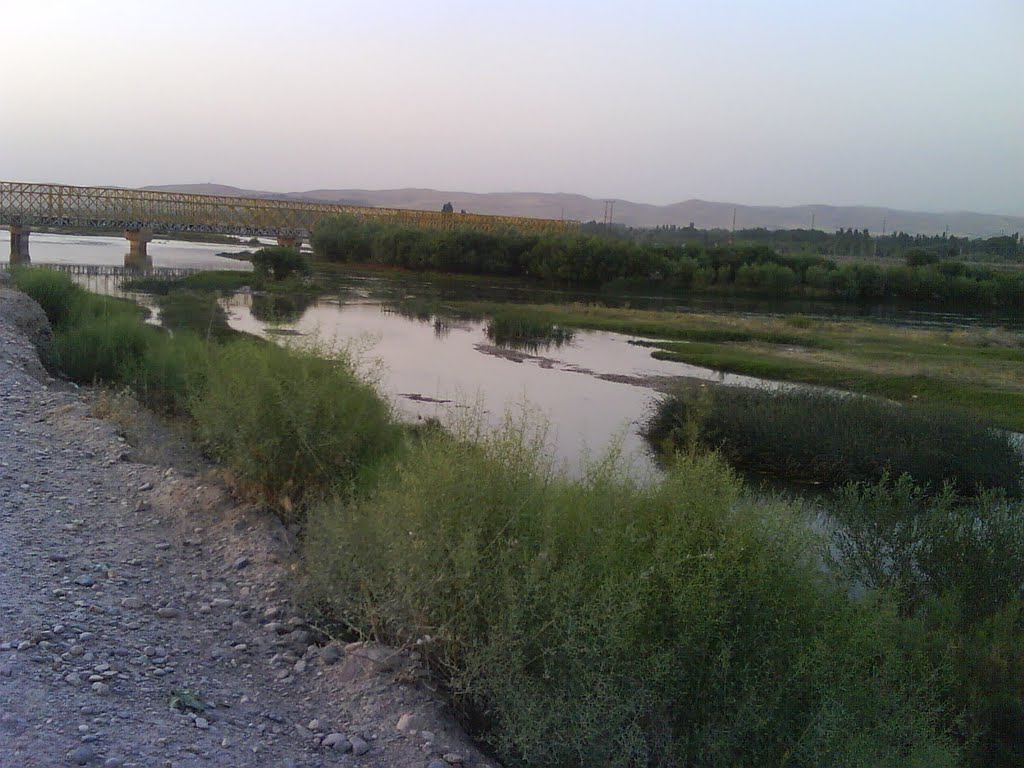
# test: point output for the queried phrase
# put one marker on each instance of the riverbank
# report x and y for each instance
(133, 581)
(517, 584)
(975, 370)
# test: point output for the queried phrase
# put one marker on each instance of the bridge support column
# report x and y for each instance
(289, 241)
(19, 244)
(137, 256)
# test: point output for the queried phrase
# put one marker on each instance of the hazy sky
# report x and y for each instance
(902, 103)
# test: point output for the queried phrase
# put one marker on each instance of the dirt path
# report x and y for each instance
(127, 585)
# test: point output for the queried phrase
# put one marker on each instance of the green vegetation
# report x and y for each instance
(956, 568)
(590, 261)
(509, 328)
(976, 371)
(280, 263)
(218, 281)
(291, 422)
(280, 307)
(598, 622)
(845, 242)
(829, 439)
(199, 313)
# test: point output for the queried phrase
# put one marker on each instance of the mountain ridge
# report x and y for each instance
(704, 214)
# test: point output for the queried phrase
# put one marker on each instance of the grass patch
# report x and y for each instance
(1001, 406)
(975, 370)
(825, 439)
(598, 622)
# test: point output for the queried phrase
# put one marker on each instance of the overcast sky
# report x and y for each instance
(908, 104)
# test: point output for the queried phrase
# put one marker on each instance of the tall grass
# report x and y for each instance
(957, 567)
(290, 422)
(831, 440)
(598, 622)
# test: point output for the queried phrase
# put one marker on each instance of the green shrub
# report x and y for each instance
(280, 263)
(171, 370)
(600, 622)
(832, 439)
(288, 422)
(957, 567)
(103, 349)
(53, 291)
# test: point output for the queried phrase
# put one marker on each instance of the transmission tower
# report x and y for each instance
(609, 210)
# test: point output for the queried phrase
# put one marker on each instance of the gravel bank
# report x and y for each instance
(146, 618)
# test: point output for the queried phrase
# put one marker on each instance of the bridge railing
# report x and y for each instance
(56, 205)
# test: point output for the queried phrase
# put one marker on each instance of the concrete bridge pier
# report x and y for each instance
(289, 241)
(19, 244)
(137, 256)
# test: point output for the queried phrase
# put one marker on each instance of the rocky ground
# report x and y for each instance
(148, 619)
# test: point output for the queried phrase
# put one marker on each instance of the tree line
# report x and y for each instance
(588, 260)
(842, 242)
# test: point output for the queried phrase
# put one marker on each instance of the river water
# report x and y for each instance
(592, 392)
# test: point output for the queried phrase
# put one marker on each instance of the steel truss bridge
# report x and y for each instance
(139, 213)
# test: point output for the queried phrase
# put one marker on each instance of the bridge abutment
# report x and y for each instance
(138, 255)
(19, 244)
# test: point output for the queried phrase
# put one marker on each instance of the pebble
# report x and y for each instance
(437, 764)
(337, 742)
(85, 580)
(241, 563)
(359, 746)
(331, 654)
(453, 758)
(202, 723)
(100, 689)
(83, 755)
(168, 613)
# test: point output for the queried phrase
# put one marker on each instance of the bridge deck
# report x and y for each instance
(112, 208)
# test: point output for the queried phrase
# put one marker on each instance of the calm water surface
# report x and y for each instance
(592, 392)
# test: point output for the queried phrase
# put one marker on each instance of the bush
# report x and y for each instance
(603, 623)
(956, 566)
(280, 263)
(832, 439)
(288, 422)
(53, 291)
(103, 349)
(170, 372)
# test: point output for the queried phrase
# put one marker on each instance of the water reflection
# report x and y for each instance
(593, 392)
(279, 308)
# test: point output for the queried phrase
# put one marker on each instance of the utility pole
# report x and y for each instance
(812, 221)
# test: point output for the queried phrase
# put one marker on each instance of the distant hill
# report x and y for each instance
(703, 214)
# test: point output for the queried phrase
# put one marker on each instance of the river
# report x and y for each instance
(592, 393)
